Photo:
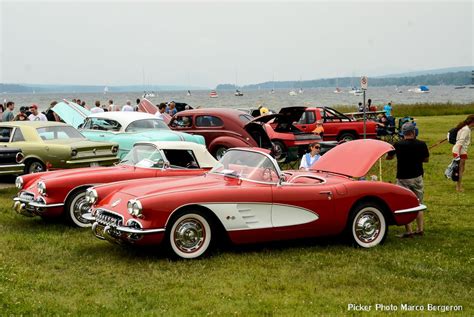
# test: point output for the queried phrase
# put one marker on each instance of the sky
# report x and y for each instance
(196, 43)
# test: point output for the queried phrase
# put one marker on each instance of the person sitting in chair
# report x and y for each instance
(312, 156)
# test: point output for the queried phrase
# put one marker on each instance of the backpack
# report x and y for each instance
(452, 171)
(452, 134)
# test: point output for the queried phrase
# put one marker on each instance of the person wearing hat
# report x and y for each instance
(36, 115)
(411, 154)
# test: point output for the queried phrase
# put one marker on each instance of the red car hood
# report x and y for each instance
(140, 189)
(354, 158)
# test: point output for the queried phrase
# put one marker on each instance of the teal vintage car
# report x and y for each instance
(124, 128)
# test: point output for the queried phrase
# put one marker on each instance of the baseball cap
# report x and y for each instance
(34, 106)
(408, 127)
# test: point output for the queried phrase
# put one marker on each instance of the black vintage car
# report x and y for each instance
(11, 161)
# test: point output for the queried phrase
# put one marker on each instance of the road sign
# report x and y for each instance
(364, 82)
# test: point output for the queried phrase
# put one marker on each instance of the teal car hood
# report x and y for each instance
(71, 113)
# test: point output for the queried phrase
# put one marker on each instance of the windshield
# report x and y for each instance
(144, 156)
(248, 165)
(60, 132)
(146, 124)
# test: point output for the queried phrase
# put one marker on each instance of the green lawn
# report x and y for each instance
(51, 269)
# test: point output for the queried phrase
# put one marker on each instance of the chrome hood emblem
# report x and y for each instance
(115, 203)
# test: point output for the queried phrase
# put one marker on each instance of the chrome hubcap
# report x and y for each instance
(80, 207)
(367, 227)
(35, 168)
(189, 235)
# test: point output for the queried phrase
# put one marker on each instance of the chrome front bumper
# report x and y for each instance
(31, 208)
(119, 234)
(419, 208)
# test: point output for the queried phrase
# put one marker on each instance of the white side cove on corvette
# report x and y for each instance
(246, 216)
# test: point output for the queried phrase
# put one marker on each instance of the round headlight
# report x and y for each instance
(73, 153)
(134, 207)
(19, 157)
(41, 187)
(129, 207)
(91, 196)
(19, 182)
(114, 149)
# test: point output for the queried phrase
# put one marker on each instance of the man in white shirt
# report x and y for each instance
(161, 111)
(128, 106)
(97, 107)
(36, 115)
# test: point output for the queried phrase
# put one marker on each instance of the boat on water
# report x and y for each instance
(292, 93)
(148, 94)
(338, 90)
(238, 93)
(106, 90)
(356, 91)
(300, 91)
(213, 94)
(188, 93)
(460, 87)
(420, 90)
(272, 91)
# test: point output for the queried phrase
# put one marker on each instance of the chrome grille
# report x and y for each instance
(26, 196)
(107, 218)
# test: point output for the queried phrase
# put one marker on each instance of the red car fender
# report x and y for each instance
(390, 196)
(230, 142)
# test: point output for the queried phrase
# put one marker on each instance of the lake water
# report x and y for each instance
(281, 98)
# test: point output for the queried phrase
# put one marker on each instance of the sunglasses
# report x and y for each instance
(317, 147)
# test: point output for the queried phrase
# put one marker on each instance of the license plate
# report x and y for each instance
(94, 164)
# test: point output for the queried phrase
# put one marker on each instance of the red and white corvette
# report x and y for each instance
(249, 199)
(62, 193)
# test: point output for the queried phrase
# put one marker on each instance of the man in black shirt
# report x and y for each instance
(411, 154)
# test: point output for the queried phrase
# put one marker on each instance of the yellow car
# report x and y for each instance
(54, 145)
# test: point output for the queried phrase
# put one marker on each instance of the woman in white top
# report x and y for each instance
(463, 140)
(309, 158)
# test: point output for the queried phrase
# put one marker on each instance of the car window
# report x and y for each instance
(5, 134)
(181, 158)
(144, 155)
(307, 118)
(60, 132)
(146, 124)
(183, 122)
(208, 121)
(101, 124)
(18, 136)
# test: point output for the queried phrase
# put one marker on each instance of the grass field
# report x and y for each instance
(51, 269)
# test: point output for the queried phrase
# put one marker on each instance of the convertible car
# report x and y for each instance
(55, 145)
(62, 193)
(11, 161)
(248, 199)
(124, 128)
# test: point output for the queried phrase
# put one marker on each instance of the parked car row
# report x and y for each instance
(176, 194)
(51, 145)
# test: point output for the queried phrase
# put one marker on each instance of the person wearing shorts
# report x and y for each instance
(411, 154)
(463, 140)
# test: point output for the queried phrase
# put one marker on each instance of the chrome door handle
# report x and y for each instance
(328, 193)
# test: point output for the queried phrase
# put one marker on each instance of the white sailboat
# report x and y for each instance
(106, 90)
(292, 93)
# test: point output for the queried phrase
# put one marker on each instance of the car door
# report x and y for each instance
(302, 208)
(307, 122)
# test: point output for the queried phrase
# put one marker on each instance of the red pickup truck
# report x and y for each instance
(337, 126)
